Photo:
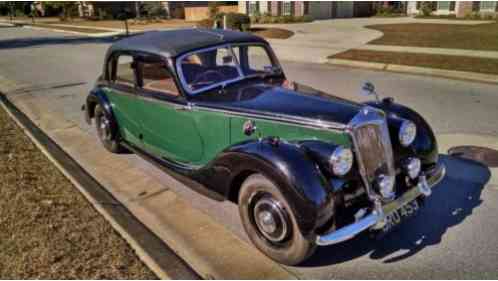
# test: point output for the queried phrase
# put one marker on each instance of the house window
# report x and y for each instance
(306, 8)
(452, 6)
(476, 6)
(253, 7)
(443, 5)
(488, 5)
(286, 8)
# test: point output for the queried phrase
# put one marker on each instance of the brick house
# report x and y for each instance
(198, 10)
(316, 9)
(458, 8)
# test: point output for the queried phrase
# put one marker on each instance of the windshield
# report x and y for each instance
(209, 68)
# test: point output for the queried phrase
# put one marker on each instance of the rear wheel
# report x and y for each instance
(270, 222)
(104, 131)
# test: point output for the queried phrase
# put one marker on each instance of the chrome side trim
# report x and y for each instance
(377, 217)
(302, 121)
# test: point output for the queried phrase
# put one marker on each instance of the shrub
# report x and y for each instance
(213, 9)
(205, 23)
(473, 16)
(426, 9)
(238, 21)
(307, 18)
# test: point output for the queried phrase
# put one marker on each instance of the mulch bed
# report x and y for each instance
(272, 33)
(48, 229)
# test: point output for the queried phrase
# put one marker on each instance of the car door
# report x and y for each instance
(169, 128)
(121, 92)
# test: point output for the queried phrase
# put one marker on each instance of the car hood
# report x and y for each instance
(267, 99)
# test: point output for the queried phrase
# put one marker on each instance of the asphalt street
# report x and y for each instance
(454, 235)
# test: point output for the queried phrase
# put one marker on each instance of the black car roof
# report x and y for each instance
(171, 43)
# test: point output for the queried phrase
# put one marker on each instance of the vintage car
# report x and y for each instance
(214, 109)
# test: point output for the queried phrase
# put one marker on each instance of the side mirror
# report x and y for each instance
(368, 89)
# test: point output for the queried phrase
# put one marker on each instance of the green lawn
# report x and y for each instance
(471, 37)
(472, 64)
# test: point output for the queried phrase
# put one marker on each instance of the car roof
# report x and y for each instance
(172, 43)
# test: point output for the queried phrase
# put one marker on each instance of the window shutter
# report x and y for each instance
(279, 8)
(293, 8)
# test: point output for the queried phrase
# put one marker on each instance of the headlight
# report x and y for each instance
(341, 161)
(407, 133)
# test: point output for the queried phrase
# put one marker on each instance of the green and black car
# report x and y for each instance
(214, 109)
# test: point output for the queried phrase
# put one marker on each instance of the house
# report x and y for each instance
(315, 9)
(458, 8)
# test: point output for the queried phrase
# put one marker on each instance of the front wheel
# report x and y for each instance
(103, 126)
(270, 223)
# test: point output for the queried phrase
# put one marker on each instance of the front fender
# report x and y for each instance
(425, 144)
(300, 180)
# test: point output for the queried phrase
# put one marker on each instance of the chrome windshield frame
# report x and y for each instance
(230, 47)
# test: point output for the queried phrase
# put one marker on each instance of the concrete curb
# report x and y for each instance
(95, 35)
(451, 74)
(157, 256)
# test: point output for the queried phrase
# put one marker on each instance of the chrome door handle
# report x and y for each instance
(187, 107)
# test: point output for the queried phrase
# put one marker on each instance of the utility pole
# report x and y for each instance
(137, 10)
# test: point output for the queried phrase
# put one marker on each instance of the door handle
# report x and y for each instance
(187, 107)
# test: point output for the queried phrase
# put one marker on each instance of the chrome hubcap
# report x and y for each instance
(271, 219)
(105, 128)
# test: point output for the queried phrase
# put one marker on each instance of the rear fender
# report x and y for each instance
(98, 96)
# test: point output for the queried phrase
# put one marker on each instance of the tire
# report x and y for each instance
(259, 197)
(103, 126)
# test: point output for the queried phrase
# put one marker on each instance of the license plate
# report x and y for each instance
(396, 217)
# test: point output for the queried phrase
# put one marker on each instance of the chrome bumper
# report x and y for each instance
(376, 219)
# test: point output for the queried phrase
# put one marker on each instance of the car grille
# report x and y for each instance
(372, 145)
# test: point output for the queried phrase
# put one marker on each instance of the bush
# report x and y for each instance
(238, 21)
(473, 16)
(426, 9)
(307, 18)
(205, 23)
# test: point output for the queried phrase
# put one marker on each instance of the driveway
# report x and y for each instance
(313, 42)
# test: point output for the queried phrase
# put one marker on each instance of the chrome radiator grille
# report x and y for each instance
(372, 145)
(372, 149)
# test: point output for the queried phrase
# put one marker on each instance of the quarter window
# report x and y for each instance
(124, 71)
(258, 59)
(156, 77)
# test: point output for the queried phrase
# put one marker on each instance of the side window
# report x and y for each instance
(258, 58)
(124, 74)
(157, 78)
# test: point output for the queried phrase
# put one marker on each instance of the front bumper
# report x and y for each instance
(376, 218)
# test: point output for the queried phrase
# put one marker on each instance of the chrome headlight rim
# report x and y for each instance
(413, 167)
(407, 133)
(341, 161)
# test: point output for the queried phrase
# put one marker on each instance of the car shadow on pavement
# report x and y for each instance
(57, 40)
(451, 202)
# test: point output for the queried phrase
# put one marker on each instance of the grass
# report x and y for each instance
(48, 229)
(481, 65)
(470, 37)
(273, 33)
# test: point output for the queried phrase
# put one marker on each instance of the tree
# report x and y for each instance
(213, 9)
(67, 8)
